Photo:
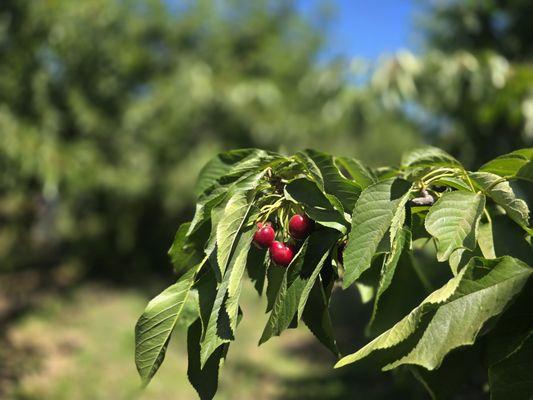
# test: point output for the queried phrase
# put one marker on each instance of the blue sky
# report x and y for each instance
(368, 28)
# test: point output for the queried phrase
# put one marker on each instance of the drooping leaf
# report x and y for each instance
(316, 203)
(450, 317)
(257, 266)
(204, 209)
(371, 218)
(154, 327)
(485, 240)
(334, 183)
(453, 221)
(398, 217)
(361, 174)
(316, 317)
(298, 280)
(311, 168)
(223, 317)
(428, 157)
(502, 193)
(401, 242)
(518, 164)
(204, 378)
(231, 222)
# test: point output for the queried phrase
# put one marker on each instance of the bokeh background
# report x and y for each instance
(109, 108)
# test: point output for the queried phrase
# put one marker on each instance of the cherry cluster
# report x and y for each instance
(282, 253)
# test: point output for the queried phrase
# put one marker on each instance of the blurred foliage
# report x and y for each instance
(109, 108)
(476, 106)
(472, 90)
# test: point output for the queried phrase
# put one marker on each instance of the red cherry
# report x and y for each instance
(300, 226)
(281, 253)
(264, 236)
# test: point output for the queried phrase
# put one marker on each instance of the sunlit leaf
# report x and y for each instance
(450, 317)
(453, 221)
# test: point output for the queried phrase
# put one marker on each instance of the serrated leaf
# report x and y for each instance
(223, 317)
(298, 281)
(453, 221)
(361, 174)
(311, 167)
(204, 208)
(428, 157)
(371, 218)
(204, 378)
(230, 166)
(154, 328)
(518, 164)
(316, 204)
(256, 266)
(454, 315)
(218, 166)
(398, 217)
(334, 183)
(502, 193)
(231, 222)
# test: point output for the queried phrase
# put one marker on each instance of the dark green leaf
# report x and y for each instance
(361, 174)
(316, 204)
(203, 379)
(334, 183)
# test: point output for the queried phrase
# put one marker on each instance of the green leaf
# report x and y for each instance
(204, 209)
(311, 167)
(228, 167)
(257, 266)
(502, 193)
(518, 164)
(371, 218)
(450, 317)
(428, 157)
(298, 281)
(401, 240)
(398, 218)
(220, 165)
(184, 252)
(155, 326)
(334, 183)
(316, 317)
(204, 378)
(361, 174)
(485, 240)
(316, 204)
(224, 312)
(453, 221)
(231, 222)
